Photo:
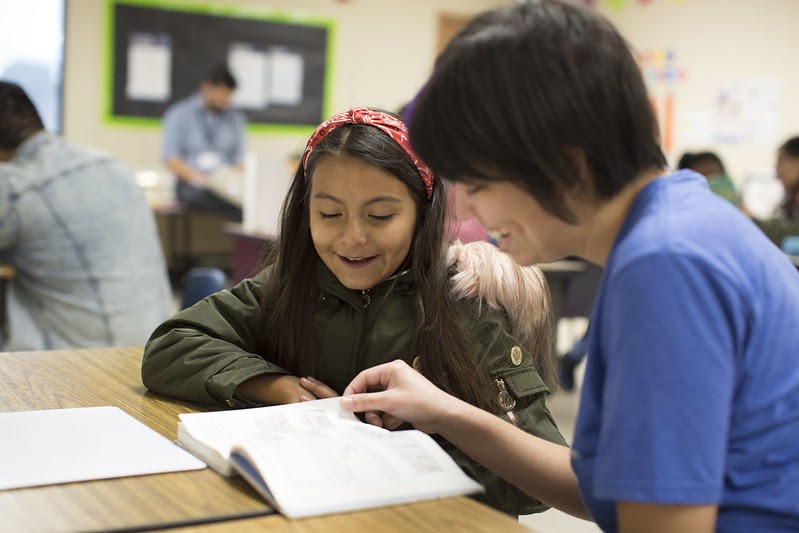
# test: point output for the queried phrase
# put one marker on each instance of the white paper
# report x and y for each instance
(267, 178)
(149, 67)
(66, 445)
(285, 77)
(249, 66)
(747, 112)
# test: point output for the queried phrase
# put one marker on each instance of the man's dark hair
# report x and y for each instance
(220, 75)
(692, 160)
(19, 118)
(522, 89)
(790, 147)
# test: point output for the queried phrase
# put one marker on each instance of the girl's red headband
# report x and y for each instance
(391, 126)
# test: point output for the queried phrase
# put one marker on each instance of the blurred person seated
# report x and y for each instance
(203, 138)
(788, 174)
(81, 237)
(710, 166)
(785, 220)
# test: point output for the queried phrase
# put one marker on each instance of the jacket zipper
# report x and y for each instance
(506, 401)
(366, 297)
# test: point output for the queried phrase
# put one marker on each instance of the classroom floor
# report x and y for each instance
(563, 406)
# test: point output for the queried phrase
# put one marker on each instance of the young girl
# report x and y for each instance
(360, 277)
(689, 412)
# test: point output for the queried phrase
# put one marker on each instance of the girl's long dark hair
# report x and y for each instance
(288, 337)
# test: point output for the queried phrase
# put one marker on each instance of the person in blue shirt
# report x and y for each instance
(79, 233)
(203, 134)
(689, 410)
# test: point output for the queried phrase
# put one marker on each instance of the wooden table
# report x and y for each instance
(198, 500)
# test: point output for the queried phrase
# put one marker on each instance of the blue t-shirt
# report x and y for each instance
(691, 392)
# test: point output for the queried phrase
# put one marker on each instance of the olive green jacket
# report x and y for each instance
(204, 352)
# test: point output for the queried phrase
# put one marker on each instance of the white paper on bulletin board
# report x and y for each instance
(149, 67)
(747, 112)
(249, 65)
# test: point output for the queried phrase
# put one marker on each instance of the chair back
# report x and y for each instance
(200, 282)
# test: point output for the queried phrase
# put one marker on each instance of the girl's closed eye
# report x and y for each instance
(382, 218)
(473, 188)
(324, 215)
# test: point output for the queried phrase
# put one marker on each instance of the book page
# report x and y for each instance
(212, 435)
(316, 473)
(312, 458)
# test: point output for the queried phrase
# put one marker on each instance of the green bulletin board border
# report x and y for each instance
(222, 11)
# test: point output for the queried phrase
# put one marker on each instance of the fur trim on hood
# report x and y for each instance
(487, 274)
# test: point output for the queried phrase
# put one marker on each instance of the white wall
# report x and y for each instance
(718, 42)
(384, 50)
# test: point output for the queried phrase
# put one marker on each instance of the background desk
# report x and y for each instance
(192, 238)
(111, 376)
(248, 250)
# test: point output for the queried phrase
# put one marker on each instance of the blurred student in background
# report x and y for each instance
(784, 222)
(788, 174)
(83, 241)
(203, 135)
(710, 166)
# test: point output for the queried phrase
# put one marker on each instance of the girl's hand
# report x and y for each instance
(276, 389)
(316, 389)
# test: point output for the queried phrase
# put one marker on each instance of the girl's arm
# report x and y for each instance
(205, 352)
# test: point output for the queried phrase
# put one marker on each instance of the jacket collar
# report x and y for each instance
(28, 148)
(327, 282)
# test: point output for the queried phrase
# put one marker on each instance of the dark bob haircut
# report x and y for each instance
(521, 88)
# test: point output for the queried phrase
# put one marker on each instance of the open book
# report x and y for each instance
(314, 458)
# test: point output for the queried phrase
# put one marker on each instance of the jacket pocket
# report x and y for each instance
(523, 382)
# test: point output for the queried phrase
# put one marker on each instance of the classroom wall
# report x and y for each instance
(746, 46)
(384, 52)
(738, 44)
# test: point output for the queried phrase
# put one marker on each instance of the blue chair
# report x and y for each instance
(200, 282)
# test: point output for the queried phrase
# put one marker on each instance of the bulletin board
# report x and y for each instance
(158, 53)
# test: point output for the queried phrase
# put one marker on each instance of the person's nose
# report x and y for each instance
(354, 234)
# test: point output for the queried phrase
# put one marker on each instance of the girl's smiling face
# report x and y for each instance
(362, 220)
